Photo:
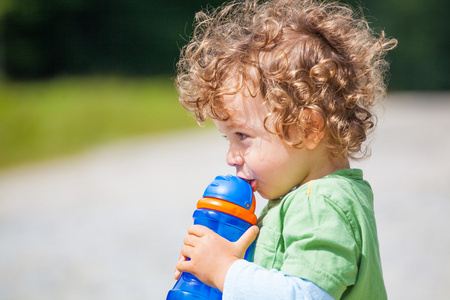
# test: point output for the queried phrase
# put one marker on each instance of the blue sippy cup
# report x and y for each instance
(227, 208)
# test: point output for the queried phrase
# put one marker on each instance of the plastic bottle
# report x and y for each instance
(227, 208)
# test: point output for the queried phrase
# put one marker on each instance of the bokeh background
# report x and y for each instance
(48, 38)
(93, 141)
(75, 73)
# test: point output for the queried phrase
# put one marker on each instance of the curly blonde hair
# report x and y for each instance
(306, 58)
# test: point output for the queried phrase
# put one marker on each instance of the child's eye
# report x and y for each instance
(241, 136)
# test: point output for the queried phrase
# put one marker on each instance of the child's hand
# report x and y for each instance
(211, 255)
(178, 273)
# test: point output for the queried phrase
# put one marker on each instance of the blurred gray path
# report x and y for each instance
(108, 224)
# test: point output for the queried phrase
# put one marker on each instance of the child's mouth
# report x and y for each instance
(252, 184)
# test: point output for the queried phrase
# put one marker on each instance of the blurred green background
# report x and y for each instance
(78, 73)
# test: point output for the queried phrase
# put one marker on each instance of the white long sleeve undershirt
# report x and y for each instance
(248, 281)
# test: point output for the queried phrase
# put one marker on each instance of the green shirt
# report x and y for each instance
(325, 232)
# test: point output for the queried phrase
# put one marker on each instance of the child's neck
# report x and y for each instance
(323, 165)
(333, 166)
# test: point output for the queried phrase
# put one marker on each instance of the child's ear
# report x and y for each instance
(315, 129)
(314, 139)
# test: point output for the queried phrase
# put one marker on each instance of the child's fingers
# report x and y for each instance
(199, 230)
(182, 258)
(247, 238)
(183, 266)
(178, 273)
(191, 240)
(186, 251)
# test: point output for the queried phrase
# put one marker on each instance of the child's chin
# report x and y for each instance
(262, 194)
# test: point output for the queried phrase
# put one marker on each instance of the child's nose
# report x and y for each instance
(234, 158)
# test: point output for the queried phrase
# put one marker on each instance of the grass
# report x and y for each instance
(41, 120)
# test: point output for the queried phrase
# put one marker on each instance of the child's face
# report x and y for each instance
(271, 166)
